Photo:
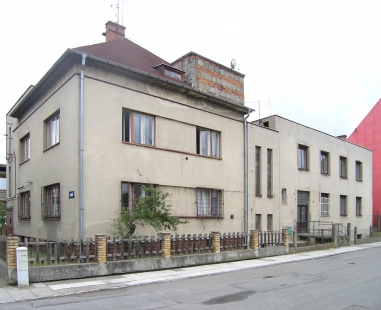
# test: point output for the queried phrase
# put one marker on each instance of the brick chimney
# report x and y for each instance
(114, 31)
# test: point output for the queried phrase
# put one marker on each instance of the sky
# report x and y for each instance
(314, 62)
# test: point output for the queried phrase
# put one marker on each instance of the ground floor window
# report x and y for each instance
(209, 203)
(130, 192)
(50, 202)
(24, 206)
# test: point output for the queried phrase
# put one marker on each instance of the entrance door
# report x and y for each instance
(302, 212)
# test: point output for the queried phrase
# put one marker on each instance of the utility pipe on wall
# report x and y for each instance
(81, 113)
(246, 189)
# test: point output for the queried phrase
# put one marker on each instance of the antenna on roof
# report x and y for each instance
(233, 63)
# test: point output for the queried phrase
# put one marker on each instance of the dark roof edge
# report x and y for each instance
(210, 60)
(19, 104)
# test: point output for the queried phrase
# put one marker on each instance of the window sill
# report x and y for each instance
(258, 195)
(359, 180)
(170, 150)
(23, 162)
(325, 215)
(50, 147)
(344, 178)
(270, 196)
(325, 174)
(52, 218)
(24, 218)
(302, 169)
(358, 215)
(343, 215)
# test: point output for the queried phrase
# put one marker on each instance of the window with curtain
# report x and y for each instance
(209, 203)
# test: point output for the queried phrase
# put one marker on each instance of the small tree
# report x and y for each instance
(3, 213)
(151, 209)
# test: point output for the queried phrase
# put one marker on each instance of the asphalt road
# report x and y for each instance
(350, 281)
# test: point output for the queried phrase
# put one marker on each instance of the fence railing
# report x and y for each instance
(46, 252)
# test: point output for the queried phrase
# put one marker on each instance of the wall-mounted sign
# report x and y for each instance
(71, 194)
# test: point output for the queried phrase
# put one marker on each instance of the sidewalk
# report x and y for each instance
(9, 293)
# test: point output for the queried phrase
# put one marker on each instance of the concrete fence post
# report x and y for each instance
(349, 229)
(295, 238)
(216, 242)
(285, 237)
(355, 235)
(166, 244)
(101, 245)
(254, 239)
(334, 234)
(12, 244)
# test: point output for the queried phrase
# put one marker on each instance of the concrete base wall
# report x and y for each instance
(87, 270)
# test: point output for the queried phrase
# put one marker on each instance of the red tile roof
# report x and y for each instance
(126, 53)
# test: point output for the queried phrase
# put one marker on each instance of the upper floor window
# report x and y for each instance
(324, 158)
(343, 167)
(208, 142)
(269, 172)
(343, 205)
(257, 171)
(358, 170)
(324, 205)
(138, 127)
(52, 130)
(302, 157)
(209, 203)
(50, 202)
(25, 148)
(284, 194)
(24, 206)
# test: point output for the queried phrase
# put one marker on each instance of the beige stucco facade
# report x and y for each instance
(284, 137)
(172, 161)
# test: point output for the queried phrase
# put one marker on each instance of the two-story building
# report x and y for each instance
(110, 117)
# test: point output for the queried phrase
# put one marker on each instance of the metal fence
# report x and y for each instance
(317, 229)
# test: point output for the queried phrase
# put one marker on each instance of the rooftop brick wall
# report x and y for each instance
(210, 77)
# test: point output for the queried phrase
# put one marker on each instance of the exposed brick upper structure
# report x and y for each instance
(212, 77)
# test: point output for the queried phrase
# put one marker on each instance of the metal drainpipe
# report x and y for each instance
(81, 103)
(246, 190)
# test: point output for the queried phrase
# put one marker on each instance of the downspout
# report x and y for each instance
(81, 113)
(246, 189)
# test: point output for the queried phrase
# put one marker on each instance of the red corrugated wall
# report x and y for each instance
(368, 134)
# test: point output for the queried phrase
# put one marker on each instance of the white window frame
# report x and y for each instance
(208, 142)
(138, 127)
(325, 205)
(302, 157)
(324, 162)
(52, 130)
